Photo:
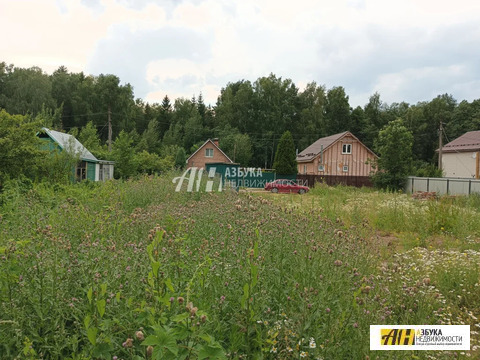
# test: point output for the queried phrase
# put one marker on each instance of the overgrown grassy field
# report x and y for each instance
(134, 270)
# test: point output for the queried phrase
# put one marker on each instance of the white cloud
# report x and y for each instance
(179, 48)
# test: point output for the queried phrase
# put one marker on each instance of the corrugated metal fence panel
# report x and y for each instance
(357, 181)
(443, 186)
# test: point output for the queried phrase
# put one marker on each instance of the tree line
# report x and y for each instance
(249, 118)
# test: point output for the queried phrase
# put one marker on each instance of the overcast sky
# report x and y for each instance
(407, 50)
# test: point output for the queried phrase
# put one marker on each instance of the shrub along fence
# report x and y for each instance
(451, 186)
(357, 181)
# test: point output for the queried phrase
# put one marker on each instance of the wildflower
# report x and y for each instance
(303, 354)
(355, 325)
(327, 310)
(312, 344)
(273, 350)
(180, 300)
(128, 343)
(289, 349)
(149, 350)
(203, 318)
(139, 335)
(366, 289)
(172, 299)
(337, 263)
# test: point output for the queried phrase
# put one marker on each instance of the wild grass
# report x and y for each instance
(450, 222)
(135, 270)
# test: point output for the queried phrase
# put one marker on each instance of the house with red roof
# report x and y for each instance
(341, 154)
(461, 157)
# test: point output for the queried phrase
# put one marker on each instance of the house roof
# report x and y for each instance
(70, 143)
(469, 141)
(216, 146)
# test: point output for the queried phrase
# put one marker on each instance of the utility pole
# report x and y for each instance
(109, 129)
(440, 145)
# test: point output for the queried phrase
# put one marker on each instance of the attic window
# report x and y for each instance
(209, 153)
(347, 149)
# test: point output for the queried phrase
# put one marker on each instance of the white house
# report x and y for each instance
(461, 157)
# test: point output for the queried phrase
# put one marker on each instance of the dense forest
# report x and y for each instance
(248, 118)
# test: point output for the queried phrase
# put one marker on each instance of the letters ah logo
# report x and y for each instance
(397, 336)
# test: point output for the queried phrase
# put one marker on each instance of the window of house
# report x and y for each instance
(347, 149)
(304, 169)
(345, 168)
(321, 168)
(208, 152)
(107, 174)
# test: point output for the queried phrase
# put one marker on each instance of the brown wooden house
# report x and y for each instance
(208, 153)
(337, 155)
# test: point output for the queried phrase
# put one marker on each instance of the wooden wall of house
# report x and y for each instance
(334, 160)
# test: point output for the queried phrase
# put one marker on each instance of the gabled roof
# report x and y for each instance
(70, 143)
(469, 141)
(324, 143)
(211, 142)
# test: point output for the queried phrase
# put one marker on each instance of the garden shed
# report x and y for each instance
(88, 167)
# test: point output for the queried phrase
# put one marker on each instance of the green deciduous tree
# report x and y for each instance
(27, 91)
(285, 158)
(151, 163)
(89, 138)
(394, 146)
(124, 155)
(20, 149)
(337, 111)
(238, 147)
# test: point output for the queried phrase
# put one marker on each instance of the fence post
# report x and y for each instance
(469, 186)
(448, 183)
(428, 184)
(413, 182)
